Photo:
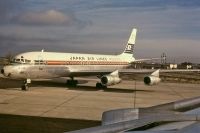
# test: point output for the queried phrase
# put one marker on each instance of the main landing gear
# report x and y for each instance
(24, 86)
(100, 86)
(72, 82)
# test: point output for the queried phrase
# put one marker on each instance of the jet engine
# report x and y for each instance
(151, 80)
(108, 80)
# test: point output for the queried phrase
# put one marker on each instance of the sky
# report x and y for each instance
(102, 26)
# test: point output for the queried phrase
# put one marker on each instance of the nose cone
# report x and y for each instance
(6, 71)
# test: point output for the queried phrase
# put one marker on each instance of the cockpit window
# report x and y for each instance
(20, 61)
(17, 60)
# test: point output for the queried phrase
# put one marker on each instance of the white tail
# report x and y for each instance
(130, 45)
(129, 49)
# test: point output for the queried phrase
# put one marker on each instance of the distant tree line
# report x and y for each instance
(7, 59)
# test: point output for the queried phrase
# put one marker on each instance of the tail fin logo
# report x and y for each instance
(129, 48)
(130, 45)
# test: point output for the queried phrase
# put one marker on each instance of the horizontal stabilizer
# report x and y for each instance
(142, 60)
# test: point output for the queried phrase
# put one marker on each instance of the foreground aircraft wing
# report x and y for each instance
(176, 117)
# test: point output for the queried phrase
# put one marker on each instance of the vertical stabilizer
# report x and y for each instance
(129, 49)
(131, 42)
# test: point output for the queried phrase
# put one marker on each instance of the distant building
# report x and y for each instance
(185, 65)
(196, 66)
(144, 65)
(173, 66)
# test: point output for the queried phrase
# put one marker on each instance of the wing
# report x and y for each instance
(79, 73)
(141, 71)
(142, 60)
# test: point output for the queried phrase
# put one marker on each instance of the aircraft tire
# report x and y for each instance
(24, 87)
(72, 83)
(100, 86)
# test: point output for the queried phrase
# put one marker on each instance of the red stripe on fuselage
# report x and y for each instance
(86, 63)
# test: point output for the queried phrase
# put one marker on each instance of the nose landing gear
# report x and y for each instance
(24, 86)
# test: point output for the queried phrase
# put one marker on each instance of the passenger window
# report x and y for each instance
(36, 62)
(17, 60)
(27, 61)
(39, 62)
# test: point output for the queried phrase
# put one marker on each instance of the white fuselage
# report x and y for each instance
(37, 65)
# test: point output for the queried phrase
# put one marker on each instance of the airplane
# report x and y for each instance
(48, 65)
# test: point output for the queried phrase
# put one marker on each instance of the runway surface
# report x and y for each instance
(85, 102)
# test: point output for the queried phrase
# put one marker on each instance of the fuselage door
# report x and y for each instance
(40, 62)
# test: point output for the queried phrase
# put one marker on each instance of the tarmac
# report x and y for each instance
(56, 100)
(52, 107)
